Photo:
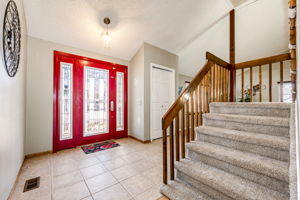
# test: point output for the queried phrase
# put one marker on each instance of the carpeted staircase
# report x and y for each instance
(242, 152)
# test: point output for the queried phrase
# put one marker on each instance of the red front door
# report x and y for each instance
(90, 101)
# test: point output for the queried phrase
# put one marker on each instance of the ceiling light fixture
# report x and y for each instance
(106, 34)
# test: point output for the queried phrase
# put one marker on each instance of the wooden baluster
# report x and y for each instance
(165, 157)
(260, 84)
(208, 88)
(221, 84)
(197, 106)
(203, 106)
(192, 117)
(224, 84)
(200, 102)
(213, 84)
(243, 98)
(177, 137)
(217, 84)
(281, 81)
(187, 121)
(183, 133)
(208, 98)
(172, 151)
(270, 82)
(251, 84)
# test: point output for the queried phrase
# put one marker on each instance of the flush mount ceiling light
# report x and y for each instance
(106, 37)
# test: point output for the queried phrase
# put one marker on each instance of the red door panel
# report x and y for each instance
(94, 106)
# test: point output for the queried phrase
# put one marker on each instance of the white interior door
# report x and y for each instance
(162, 95)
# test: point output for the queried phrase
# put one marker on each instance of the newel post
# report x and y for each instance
(292, 46)
(232, 55)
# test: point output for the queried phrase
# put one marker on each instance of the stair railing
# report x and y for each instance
(261, 63)
(211, 84)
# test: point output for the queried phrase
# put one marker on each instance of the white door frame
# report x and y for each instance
(153, 65)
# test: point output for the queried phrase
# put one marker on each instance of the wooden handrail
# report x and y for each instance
(209, 85)
(269, 61)
(182, 99)
(263, 61)
(217, 60)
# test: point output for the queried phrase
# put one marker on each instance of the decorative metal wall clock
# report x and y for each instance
(11, 38)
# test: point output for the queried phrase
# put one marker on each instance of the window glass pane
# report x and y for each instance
(120, 101)
(287, 92)
(65, 101)
(95, 101)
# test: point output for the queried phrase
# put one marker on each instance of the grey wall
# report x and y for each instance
(12, 111)
(182, 79)
(158, 56)
(136, 95)
(39, 95)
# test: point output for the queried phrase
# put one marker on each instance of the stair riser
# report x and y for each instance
(251, 111)
(201, 186)
(257, 128)
(261, 179)
(252, 148)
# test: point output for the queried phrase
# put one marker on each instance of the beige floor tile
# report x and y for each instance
(32, 195)
(87, 162)
(73, 192)
(43, 192)
(58, 169)
(115, 192)
(114, 164)
(133, 157)
(87, 198)
(66, 180)
(100, 182)
(143, 165)
(107, 156)
(92, 171)
(155, 175)
(137, 184)
(123, 173)
(137, 166)
(151, 194)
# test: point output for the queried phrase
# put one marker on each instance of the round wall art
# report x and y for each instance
(11, 38)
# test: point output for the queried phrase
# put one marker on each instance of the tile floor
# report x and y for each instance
(132, 171)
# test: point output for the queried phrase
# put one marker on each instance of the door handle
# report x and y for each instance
(112, 106)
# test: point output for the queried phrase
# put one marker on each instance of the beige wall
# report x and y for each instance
(39, 97)
(136, 95)
(12, 111)
(161, 57)
(140, 83)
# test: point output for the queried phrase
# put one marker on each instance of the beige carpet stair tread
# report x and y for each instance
(247, 119)
(267, 166)
(228, 184)
(263, 105)
(277, 142)
(176, 190)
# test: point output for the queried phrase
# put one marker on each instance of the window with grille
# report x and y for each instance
(66, 101)
(96, 118)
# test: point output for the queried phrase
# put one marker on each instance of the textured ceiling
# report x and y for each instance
(168, 24)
